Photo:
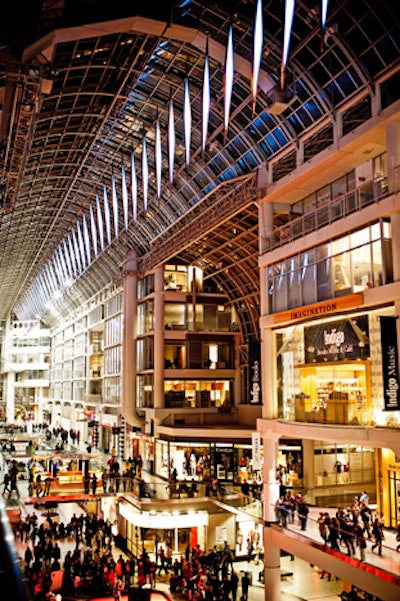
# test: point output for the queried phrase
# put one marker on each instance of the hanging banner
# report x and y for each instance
(390, 363)
(256, 450)
(255, 373)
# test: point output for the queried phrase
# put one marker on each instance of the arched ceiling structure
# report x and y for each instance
(85, 82)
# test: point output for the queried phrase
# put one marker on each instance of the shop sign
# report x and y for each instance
(390, 363)
(319, 309)
(256, 450)
(255, 373)
(337, 340)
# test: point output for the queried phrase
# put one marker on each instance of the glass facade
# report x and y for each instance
(340, 267)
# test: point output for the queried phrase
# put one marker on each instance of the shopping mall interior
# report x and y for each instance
(200, 280)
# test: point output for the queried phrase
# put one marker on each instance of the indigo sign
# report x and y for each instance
(390, 364)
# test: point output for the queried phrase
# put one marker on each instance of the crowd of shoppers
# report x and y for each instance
(351, 527)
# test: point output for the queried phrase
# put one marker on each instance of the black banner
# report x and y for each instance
(390, 363)
(255, 373)
(347, 339)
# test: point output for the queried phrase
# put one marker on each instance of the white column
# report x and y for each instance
(272, 558)
(158, 392)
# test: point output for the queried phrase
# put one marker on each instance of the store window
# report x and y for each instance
(345, 464)
(176, 278)
(330, 371)
(174, 355)
(175, 316)
(198, 393)
(145, 353)
(145, 286)
(144, 391)
(145, 317)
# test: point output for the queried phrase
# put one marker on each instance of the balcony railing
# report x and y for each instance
(342, 206)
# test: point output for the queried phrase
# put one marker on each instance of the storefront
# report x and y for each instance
(389, 486)
(181, 529)
(330, 370)
(333, 369)
(226, 461)
(148, 530)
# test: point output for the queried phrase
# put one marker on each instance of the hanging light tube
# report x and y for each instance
(107, 217)
(289, 13)
(115, 205)
(145, 174)
(158, 158)
(125, 202)
(171, 140)
(229, 70)
(257, 50)
(100, 222)
(187, 118)
(134, 187)
(93, 228)
(206, 98)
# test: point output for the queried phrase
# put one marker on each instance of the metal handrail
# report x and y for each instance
(370, 192)
(9, 558)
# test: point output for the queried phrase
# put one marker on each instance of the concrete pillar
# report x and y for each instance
(393, 154)
(272, 558)
(393, 169)
(272, 568)
(308, 469)
(395, 223)
(300, 153)
(268, 370)
(265, 225)
(158, 392)
(129, 343)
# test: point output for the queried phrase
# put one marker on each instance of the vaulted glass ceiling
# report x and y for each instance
(78, 103)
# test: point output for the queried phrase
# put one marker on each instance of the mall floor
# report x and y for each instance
(300, 581)
(305, 583)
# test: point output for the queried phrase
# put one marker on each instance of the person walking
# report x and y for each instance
(117, 589)
(245, 586)
(360, 540)
(234, 584)
(377, 533)
(302, 512)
